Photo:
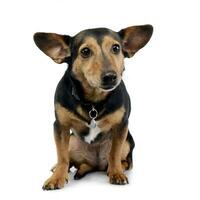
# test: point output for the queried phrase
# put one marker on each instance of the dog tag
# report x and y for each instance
(93, 124)
(93, 115)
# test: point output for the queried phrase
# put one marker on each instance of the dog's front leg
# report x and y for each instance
(60, 175)
(115, 171)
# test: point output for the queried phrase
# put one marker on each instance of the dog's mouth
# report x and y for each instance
(109, 88)
(105, 88)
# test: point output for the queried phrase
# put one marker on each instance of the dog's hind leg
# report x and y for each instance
(127, 150)
(125, 165)
(132, 145)
(83, 170)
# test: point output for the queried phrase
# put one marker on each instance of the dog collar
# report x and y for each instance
(93, 113)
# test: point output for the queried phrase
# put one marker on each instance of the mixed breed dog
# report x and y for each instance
(92, 106)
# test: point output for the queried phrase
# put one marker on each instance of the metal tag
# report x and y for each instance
(93, 124)
(93, 115)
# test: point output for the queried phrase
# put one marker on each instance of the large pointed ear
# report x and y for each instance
(134, 38)
(53, 45)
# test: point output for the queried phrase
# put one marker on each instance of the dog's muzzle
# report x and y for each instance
(108, 80)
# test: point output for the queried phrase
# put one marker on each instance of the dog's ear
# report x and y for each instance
(53, 45)
(134, 38)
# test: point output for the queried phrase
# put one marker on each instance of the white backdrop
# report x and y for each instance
(163, 80)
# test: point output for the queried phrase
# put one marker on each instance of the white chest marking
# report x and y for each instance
(93, 133)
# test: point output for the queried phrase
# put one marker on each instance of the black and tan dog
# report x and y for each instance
(92, 105)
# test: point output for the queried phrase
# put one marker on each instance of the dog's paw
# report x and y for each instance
(54, 182)
(118, 179)
(78, 176)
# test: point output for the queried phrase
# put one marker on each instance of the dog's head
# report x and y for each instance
(95, 55)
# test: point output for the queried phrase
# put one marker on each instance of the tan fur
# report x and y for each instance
(60, 174)
(112, 119)
(89, 68)
(93, 94)
(84, 168)
(125, 165)
(125, 150)
(81, 112)
(66, 117)
(81, 152)
(115, 170)
(116, 61)
(88, 71)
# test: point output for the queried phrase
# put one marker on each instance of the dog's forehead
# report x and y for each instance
(98, 34)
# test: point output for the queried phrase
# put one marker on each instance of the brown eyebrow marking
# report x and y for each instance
(116, 61)
(90, 42)
(108, 41)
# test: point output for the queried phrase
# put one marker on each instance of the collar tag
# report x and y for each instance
(92, 124)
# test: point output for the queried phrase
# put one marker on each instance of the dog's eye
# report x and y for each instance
(115, 48)
(86, 52)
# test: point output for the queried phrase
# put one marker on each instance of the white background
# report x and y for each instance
(163, 80)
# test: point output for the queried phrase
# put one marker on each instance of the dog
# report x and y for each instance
(92, 106)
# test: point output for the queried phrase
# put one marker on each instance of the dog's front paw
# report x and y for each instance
(55, 182)
(118, 178)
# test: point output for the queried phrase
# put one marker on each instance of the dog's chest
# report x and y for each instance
(93, 130)
(93, 134)
(89, 135)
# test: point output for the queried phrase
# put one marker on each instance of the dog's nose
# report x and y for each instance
(109, 78)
